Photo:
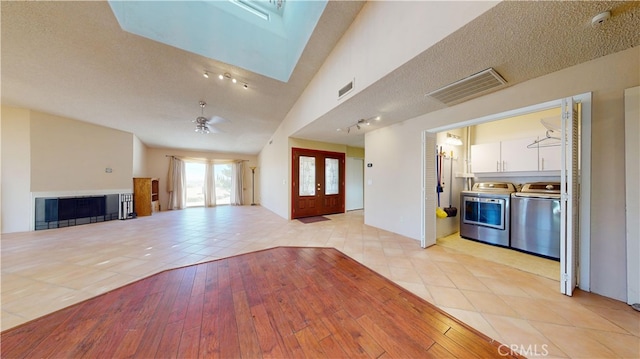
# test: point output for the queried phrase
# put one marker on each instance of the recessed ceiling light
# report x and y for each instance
(206, 75)
(221, 77)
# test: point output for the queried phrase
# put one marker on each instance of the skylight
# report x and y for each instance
(262, 36)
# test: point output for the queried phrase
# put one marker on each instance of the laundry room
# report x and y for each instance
(498, 189)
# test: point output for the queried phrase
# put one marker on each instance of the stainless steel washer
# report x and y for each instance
(485, 212)
(535, 219)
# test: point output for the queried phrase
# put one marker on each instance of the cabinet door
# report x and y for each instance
(550, 158)
(516, 157)
(485, 157)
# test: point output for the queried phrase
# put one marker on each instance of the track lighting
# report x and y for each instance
(360, 122)
(227, 76)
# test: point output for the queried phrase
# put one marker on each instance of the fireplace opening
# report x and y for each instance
(72, 211)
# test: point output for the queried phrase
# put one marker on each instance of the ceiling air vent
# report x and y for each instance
(346, 89)
(473, 86)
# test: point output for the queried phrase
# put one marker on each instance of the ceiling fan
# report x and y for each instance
(205, 125)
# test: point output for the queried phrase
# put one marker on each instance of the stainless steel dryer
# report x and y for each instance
(485, 212)
(535, 219)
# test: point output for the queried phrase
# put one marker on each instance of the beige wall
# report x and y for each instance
(43, 154)
(157, 164)
(139, 158)
(69, 155)
(393, 200)
(315, 145)
(16, 169)
(357, 152)
(514, 128)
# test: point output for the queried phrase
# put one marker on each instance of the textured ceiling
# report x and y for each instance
(522, 40)
(72, 59)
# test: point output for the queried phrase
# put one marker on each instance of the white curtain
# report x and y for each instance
(176, 184)
(209, 185)
(237, 183)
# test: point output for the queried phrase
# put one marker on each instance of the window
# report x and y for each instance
(222, 177)
(195, 183)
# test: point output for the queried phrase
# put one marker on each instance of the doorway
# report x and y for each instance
(196, 179)
(354, 184)
(318, 183)
(575, 231)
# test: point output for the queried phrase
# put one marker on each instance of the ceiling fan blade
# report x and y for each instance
(218, 119)
(214, 129)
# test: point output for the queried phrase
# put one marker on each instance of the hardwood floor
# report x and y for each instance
(280, 302)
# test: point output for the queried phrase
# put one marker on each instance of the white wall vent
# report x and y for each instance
(346, 89)
(473, 86)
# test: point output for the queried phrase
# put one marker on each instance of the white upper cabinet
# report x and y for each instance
(505, 156)
(485, 157)
(517, 157)
(550, 158)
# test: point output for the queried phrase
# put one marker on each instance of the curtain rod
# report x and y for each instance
(204, 159)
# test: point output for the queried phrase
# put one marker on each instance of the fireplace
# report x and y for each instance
(59, 212)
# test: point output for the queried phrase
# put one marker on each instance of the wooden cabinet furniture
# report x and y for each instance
(145, 196)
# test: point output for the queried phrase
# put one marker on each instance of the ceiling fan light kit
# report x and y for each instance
(201, 121)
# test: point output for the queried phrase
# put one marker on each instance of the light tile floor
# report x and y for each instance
(48, 270)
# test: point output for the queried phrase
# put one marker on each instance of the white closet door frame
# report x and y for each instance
(429, 151)
(569, 224)
(583, 251)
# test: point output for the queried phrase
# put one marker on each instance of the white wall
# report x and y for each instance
(16, 170)
(394, 202)
(357, 57)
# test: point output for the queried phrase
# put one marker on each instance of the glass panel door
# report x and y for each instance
(311, 171)
(223, 182)
(195, 183)
(307, 176)
(331, 176)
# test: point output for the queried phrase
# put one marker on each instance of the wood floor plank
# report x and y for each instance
(13, 340)
(156, 330)
(278, 303)
(268, 336)
(309, 344)
(249, 344)
(388, 340)
(332, 349)
(189, 342)
(352, 337)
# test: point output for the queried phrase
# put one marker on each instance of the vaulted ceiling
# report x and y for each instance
(73, 59)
